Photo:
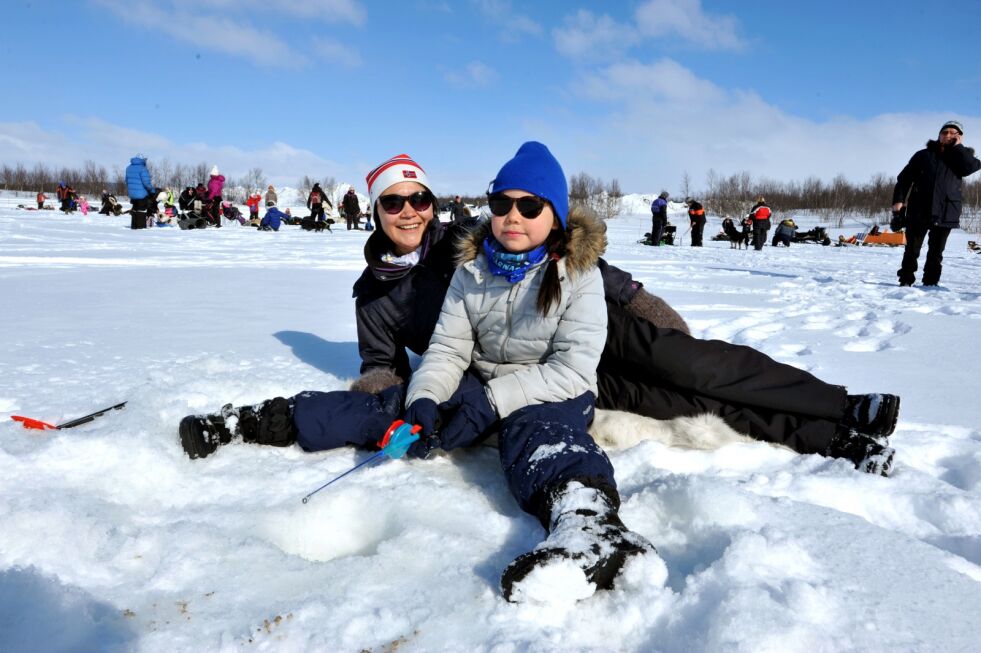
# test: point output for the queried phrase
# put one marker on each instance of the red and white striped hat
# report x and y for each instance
(398, 168)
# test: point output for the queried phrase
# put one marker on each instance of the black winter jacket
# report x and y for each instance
(351, 206)
(397, 307)
(933, 180)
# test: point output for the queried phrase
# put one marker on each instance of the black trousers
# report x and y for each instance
(657, 230)
(697, 228)
(759, 234)
(352, 221)
(317, 211)
(915, 235)
(137, 216)
(663, 373)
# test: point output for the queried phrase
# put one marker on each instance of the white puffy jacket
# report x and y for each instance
(494, 326)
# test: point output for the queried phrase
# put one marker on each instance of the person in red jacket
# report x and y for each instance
(40, 199)
(253, 202)
(760, 215)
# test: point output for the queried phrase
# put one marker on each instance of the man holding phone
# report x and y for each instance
(929, 189)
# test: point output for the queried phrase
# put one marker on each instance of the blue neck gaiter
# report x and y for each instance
(509, 265)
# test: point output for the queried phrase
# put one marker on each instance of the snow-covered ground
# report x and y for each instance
(112, 539)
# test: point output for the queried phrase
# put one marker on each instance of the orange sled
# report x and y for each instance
(890, 238)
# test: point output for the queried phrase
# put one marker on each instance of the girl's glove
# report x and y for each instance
(424, 413)
(473, 415)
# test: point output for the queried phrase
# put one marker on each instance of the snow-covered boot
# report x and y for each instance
(868, 455)
(873, 414)
(270, 422)
(586, 548)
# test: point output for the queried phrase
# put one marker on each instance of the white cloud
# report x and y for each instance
(586, 35)
(512, 23)
(663, 120)
(213, 25)
(687, 19)
(473, 74)
(664, 80)
(113, 145)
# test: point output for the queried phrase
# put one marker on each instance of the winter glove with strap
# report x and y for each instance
(473, 416)
(424, 413)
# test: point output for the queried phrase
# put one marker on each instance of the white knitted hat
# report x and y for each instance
(398, 168)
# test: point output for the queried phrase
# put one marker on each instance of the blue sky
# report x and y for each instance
(641, 91)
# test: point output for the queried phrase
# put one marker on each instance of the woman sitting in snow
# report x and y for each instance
(650, 365)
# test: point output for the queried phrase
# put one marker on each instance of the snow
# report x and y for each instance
(112, 539)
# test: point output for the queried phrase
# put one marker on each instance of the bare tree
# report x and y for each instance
(254, 180)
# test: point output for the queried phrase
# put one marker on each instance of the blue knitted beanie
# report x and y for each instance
(533, 169)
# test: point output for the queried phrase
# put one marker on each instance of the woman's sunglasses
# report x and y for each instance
(529, 206)
(419, 201)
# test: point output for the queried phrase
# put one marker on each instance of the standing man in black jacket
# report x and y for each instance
(352, 209)
(696, 215)
(929, 188)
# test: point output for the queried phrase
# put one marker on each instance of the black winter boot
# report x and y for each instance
(865, 452)
(586, 548)
(873, 414)
(270, 422)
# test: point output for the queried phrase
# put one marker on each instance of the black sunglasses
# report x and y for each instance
(419, 201)
(529, 206)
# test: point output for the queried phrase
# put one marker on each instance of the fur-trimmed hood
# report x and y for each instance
(587, 241)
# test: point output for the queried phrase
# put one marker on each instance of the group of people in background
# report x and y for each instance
(927, 202)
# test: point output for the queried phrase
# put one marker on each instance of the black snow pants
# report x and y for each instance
(916, 233)
(697, 227)
(657, 230)
(759, 234)
(663, 373)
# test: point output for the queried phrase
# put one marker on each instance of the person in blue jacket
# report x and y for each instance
(272, 219)
(140, 189)
(659, 217)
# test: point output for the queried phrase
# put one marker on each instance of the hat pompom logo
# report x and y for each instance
(409, 174)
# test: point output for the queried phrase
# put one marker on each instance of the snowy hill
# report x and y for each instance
(112, 539)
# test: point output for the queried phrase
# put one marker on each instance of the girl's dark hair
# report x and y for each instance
(550, 292)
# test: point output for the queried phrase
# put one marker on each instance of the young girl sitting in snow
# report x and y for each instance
(515, 350)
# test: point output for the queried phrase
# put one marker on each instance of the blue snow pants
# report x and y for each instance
(541, 446)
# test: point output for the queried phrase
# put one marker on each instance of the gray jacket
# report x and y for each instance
(494, 327)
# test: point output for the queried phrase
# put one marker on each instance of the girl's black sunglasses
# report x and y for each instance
(419, 201)
(529, 206)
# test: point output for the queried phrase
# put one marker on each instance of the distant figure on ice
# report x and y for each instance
(140, 190)
(458, 210)
(929, 189)
(760, 216)
(696, 215)
(315, 202)
(83, 205)
(659, 217)
(253, 203)
(63, 199)
(271, 198)
(231, 213)
(785, 232)
(216, 184)
(273, 219)
(352, 209)
(40, 199)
